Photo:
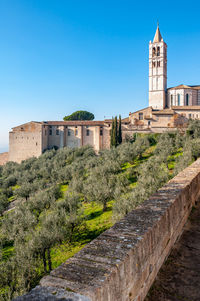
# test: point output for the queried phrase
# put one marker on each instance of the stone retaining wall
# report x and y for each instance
(122, 263)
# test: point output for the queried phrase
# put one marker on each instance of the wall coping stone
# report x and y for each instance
(51, 294)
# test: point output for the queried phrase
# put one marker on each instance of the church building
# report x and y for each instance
(165, 104)
(166, 107)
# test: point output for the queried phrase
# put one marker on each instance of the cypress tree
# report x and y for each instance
(120, 130)
(111, 133)
(115, 134)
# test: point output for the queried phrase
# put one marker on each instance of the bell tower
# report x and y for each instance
(157, 72)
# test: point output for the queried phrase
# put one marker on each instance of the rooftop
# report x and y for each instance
(74, 122)
(197, 87)
(157, 38)
(186, 108)
(164, 112)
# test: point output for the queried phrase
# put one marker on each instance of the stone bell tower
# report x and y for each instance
(157, 72)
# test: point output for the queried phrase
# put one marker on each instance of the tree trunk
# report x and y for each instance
(72, 231)
(44, 261)
(49, 259)
(104, 206)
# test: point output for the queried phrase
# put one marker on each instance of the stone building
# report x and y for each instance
(166, 106)
(161, 97)
(33, 138)
(157, 72)
(183, 95)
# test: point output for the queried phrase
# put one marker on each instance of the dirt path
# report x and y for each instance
(179, 278)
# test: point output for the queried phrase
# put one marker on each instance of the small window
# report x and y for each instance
(197, 116)
(57, 132)
(154, 51)
(50, 132)
(76, 132)
(158, 51)
(50, 126)
(154, 64)
(101, 132)
(171, 100)
(149, 122)
(140, 116)
(87, 132)
(66, 126)
(76, 127)
(36, 143)
(190, 115)
(69, 133)
(187, 100)
(178, 99)
(158, 64)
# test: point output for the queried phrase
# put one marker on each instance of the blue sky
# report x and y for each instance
(58, 56)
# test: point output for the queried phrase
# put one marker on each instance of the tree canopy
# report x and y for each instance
(80, 115)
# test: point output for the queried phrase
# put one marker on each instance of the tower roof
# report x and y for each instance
(157, 37)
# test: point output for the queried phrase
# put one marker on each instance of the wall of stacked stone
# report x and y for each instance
(122, 263)
(3, 158)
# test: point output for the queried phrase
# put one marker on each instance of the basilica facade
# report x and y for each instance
(166, 107)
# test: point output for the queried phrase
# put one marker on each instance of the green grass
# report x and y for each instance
(12, 198)
(63, 189)
(127, 165)
(15, 187)
(7, 251)
(172, 159)
(95, 222)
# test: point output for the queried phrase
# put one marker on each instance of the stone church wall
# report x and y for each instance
(73, 136)
(3, 158)
(25, 142)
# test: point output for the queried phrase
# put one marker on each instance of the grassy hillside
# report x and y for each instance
(66, 198)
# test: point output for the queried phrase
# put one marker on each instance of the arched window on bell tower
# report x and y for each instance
(154, 51)
(158, 51)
